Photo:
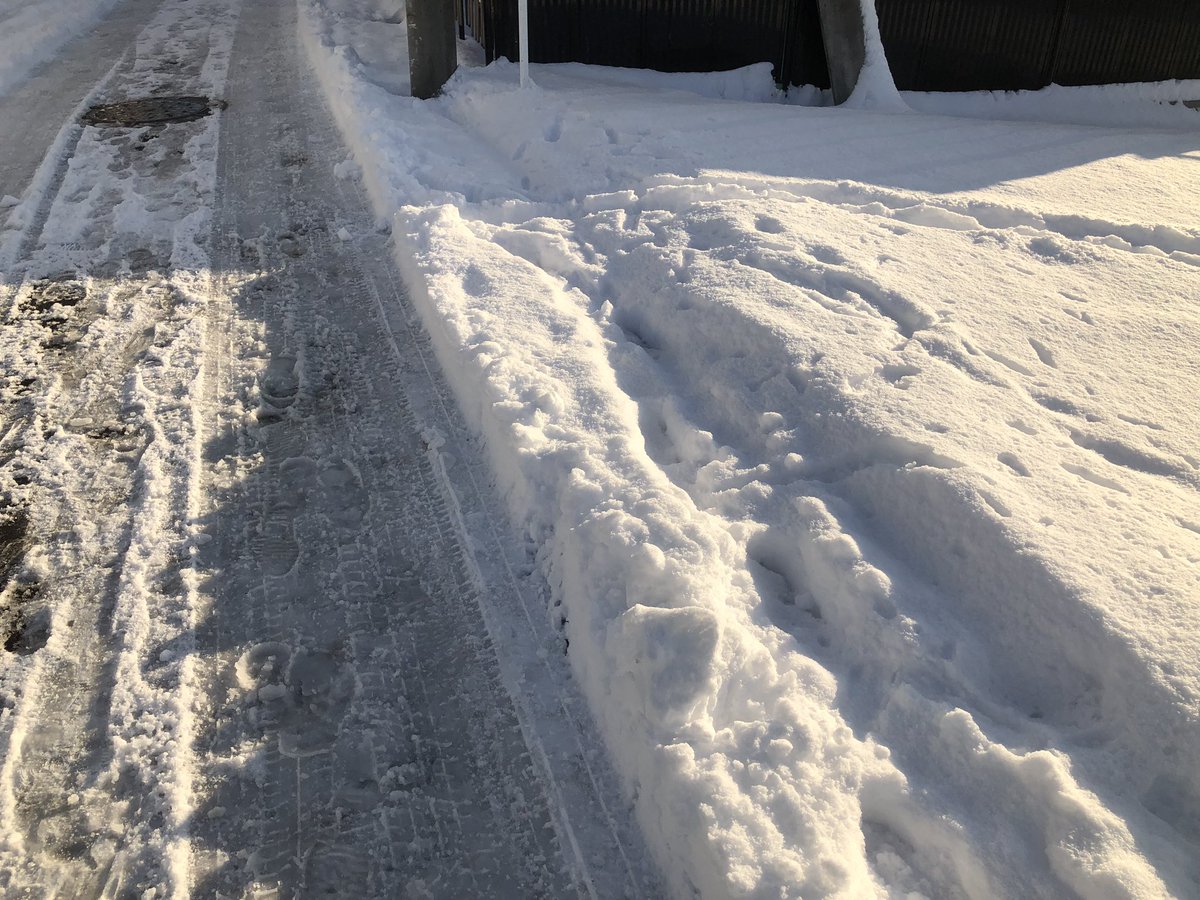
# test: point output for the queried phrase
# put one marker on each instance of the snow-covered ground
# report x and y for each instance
(859, 449)
(253, 645)
(1159, 105)
(852, 456)
(32, 30)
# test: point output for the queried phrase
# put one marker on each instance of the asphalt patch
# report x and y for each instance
(61, 291)
(14, 525)
(151, 111)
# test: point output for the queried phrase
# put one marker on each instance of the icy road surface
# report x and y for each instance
(255, 644)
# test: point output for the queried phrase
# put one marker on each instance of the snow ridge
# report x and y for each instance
(788, 461)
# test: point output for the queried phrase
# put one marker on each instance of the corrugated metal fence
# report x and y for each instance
(932, 45)
(669, 35)
(941, 45)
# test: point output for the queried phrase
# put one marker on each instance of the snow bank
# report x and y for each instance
(754, 84)
(859, 452)
(34, 29)
(1151, 105)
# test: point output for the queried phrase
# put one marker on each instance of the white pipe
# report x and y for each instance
(523, 38)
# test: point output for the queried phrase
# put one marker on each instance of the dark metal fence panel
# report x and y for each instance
(963, 45)
(1153, 41)
(953, 45)
(803, 60)
(932, 45)
(610, 33)
(669, 35)
(1187, 48)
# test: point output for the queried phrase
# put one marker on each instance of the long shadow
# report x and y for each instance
(356, 738)
(681, 135)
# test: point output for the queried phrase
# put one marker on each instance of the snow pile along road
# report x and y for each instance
(859, 449)
(32, 30)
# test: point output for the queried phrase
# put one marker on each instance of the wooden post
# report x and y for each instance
(845, 44)
(432, 53)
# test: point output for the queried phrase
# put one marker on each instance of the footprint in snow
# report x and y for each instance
(1043, 353)
(1014, 462)
(319, 688)
(306, 694)
(346, 500)
(260, 670)
(1101, 481)
(826, 254)
(275, 544)
(284, 441)
(1055, 251)
(768, 225)
(279, 383)
(278, 386)
(898, 374)
(290, 245)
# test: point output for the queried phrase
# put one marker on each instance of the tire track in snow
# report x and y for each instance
(91, 786)
(358, 736)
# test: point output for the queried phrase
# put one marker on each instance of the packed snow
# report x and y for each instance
(859, 447)
(253, 644)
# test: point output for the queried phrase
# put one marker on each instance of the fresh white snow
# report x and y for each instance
(859, 449)
(1158, 105)
(875, 89)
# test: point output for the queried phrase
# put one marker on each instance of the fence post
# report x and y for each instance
(845, 44)
(523, 39)
(432, 54)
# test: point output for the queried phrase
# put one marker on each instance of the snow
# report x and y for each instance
(859, 449)
(107, 435)
(1157, 105)
(851, 452)
(875, 89)
(251, 631)
(752, 83)
(33, 30)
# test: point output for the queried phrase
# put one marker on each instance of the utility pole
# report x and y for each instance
(432, 54)
(845, 44)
